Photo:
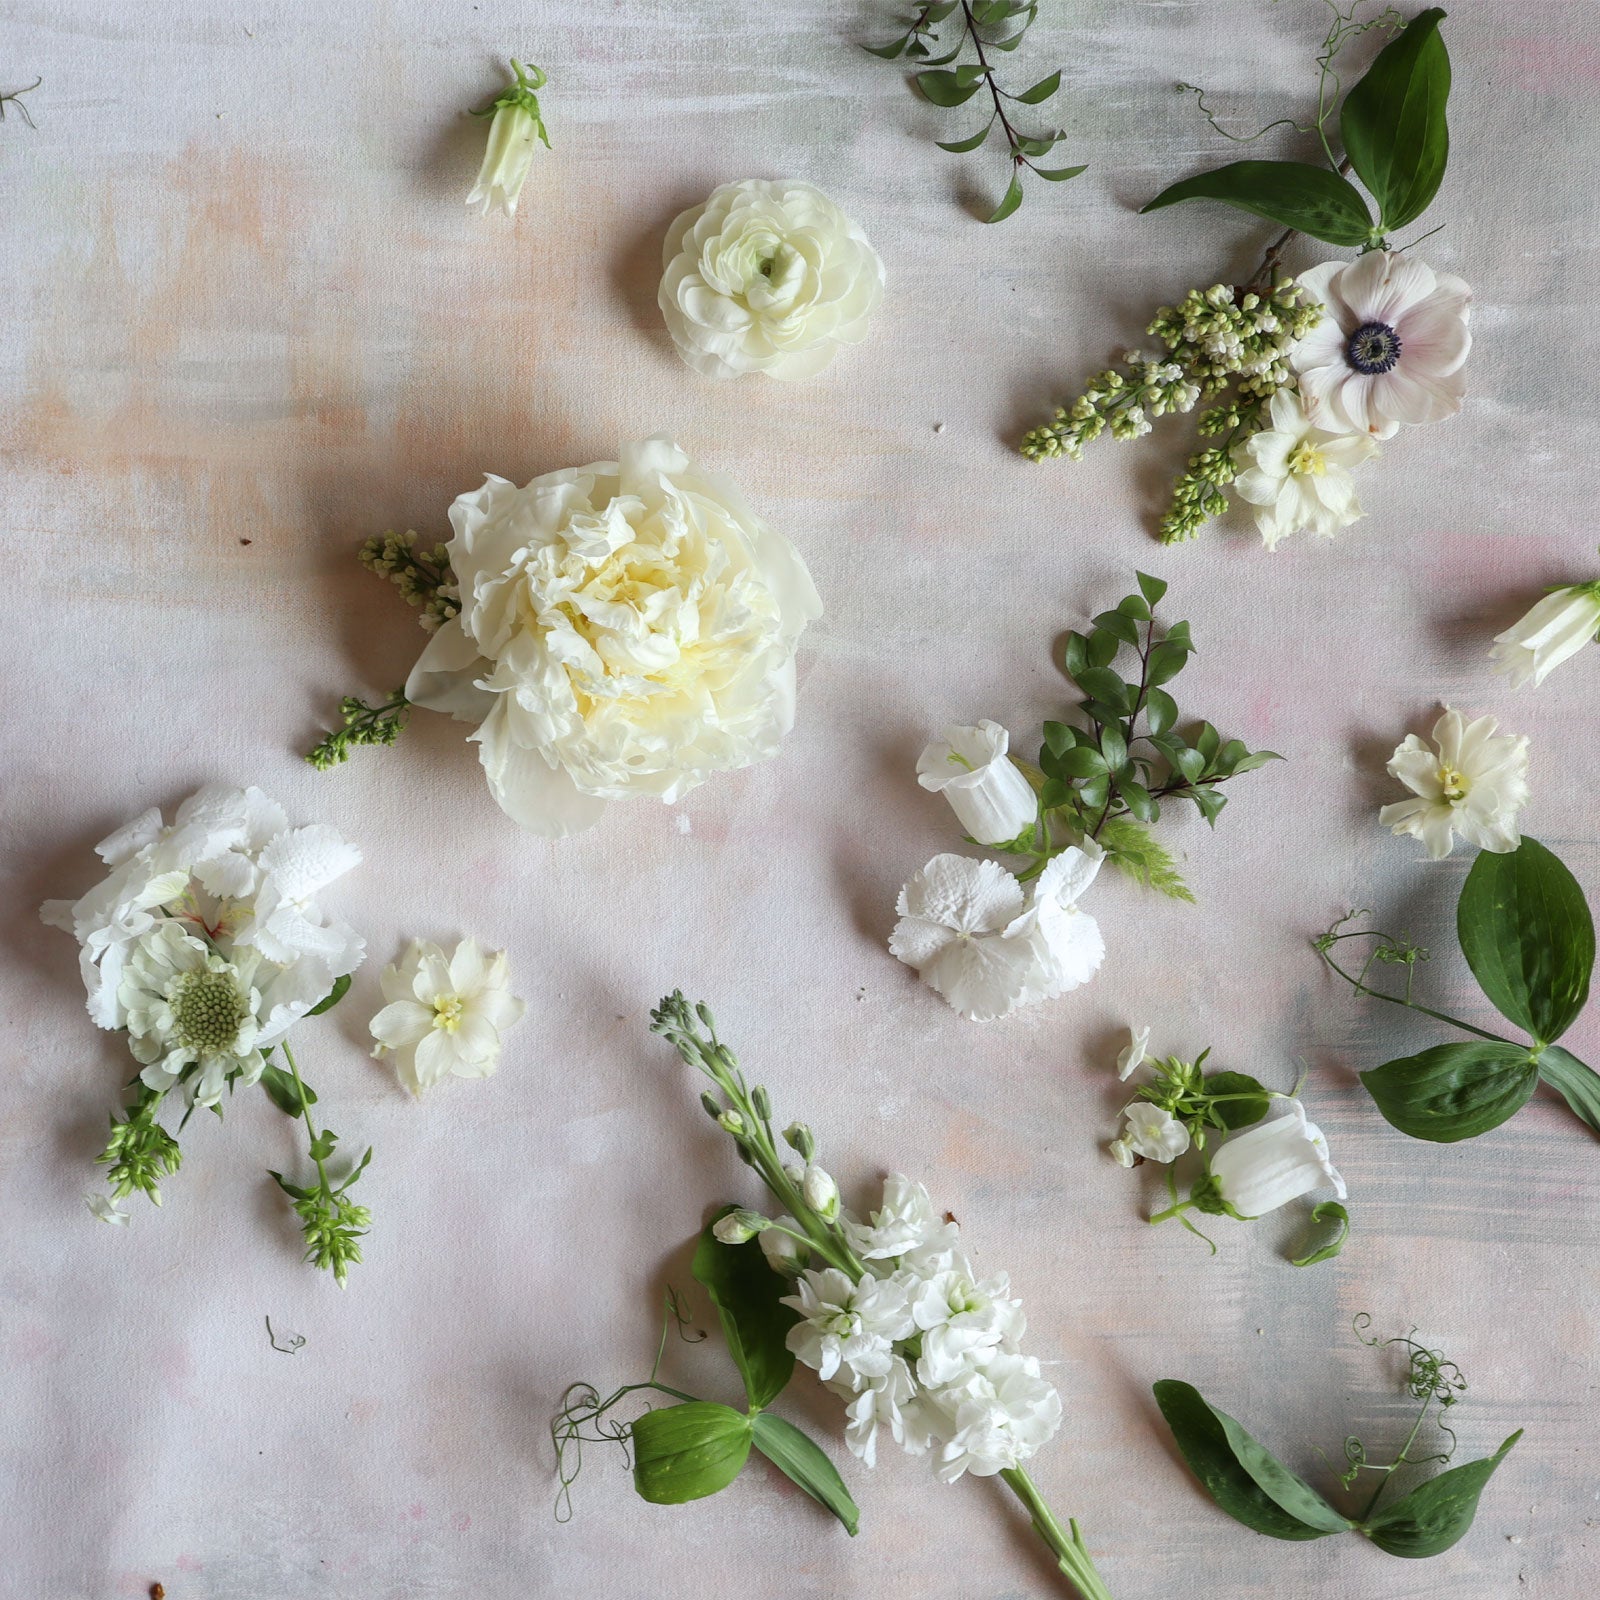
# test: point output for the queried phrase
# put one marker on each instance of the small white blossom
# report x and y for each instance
(890, 1401)
(906, 1221)
(970, 767)
(1155, 1134)
(107, 1210)
(1276, 1161)
(1121, 1152)
(848, 1328)
(1555, 630)
(1135, 1053)
(820, 1192)
(962, 1320)
(1297, 476)
(516, 124)
(446, 1014)
(1473, 783)
(783, 1251)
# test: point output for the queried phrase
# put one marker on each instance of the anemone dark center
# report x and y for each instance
(1374, 347)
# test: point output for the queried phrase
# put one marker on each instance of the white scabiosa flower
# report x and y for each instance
(848, 1329)
(1000, 1416)
(767, 277)
(516, 123)
(446, 1014)
(1276, 1161)
(1297, 476)
(1554, 631)
(1473, 783)
(1389, 348)
(1134, 1054)
(1150, 1132)
(970, 767)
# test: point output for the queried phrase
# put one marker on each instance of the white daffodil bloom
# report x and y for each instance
(107, 1210)
(970, 767)
(1150, 1132)
(446, 1014)
(1554, 631)
(1473, 783)
(1134, 1054)
(1297, 476)
(904, 1222)
(1001, 1416)
(1274, 1162)
(962, 1319)
(516, 124)
(847, 1328)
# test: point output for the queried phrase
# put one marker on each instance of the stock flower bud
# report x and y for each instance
(730, 1122)
(798, 1137)
(821, 1193)
(739, 1227)
(783, 1251)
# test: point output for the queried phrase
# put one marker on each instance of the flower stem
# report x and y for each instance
(1361, 987)
(1071, 1554)
(1398, 1462)
(305, 1112)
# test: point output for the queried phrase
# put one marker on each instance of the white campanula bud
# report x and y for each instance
(517, 123)
(970, 767)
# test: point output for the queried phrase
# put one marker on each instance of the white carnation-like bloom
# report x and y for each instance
(904, 1222)
(1297, 476)
(962, 1320)
(767, 277)
(891, 1401)
(986, 789)
(1150, 1132)
(1555, 630)
(1001, 1415)
(1276, 1161)
(846, 1328)
(445, 1013)
(1389, 348)
(1473, 783)
(626, 628)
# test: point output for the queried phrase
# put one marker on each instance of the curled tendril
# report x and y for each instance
(1431, 1379)
(682, 1319)
(582, 1407)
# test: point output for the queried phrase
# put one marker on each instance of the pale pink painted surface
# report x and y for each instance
(244, 302)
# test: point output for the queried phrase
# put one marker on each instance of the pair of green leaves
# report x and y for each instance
(1527, 934)
(1396, 139)
(1248, 1482)
(280, 1085)
(688, 1451)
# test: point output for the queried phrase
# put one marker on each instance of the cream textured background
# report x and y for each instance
(248, 321)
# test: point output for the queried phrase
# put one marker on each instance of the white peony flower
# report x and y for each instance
(1135, 1053)
(1276, 1161)
(991, 798)
(626, 628)
(1297, 476)
(446, 1014)
(906, 1221)
(848, 1328)
(962, 1321)
(516, 123)
(107, 1210)
(1473, 783)
(1389, 348)
(1000, 1416)
(767, 277)
(1554, 631)
(1150, 1132)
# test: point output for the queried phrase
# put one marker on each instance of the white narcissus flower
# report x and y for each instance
(905, 1221)
(1275, 1162)
(848, 1328)
(1001, 1416)
(516, 123)
(1473, 783)
(970, 767)
(1389, 347)
(446, 1014)
(626, 628)
(1297, 476)
(1135, 1053)
(1150, 1132)
(1554, 631)
(767, 277)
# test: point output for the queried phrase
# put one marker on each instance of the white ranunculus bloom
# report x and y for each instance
(1473, 783)
(626, 628)
(1274, 1162)
(767, 277)
(905, 1221)
(970, 767)
(1134, 1054)
(515, 125)
(445, 1014)
(1297, 476)
(1001, 1415)
(1153, 1133)
(1554, 631)
(848, 1328)
(1389, 348)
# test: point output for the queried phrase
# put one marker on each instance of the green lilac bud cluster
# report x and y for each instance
(363, 725)
(423, 578)
(332, 1224)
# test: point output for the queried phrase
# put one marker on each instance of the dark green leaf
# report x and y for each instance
(1058, 736)
(1103, 648)
(1167, 660)
(1151, 588)
(1079, 762)
(1207, 741)
(293, 1190)
(1040, 91)
(746, 1292)
(1075, 654)
(1576, 1083)
(803, 1462)
(1393, 124)
(1059, 174)
(1178, 633)
(945, 88)
(1229, 757)
(1137, 799)
(1327, 1211)
(1255, 758)
(282, 1092)
(1190, 764)
(1454, 1091)
(958, 147)
(1209, 801)
(1135, 606)
(688, 1451)
(1120, 625)
(1210, 1442)
(323, 1145)
(1527, 935)
(1101, 683)
(1290, 193)
(1054, 793)
(337, 993)
(1094, 792)
(1161, 710)
(1437, 1513)
(1113, 746)
(887, 52)
(1013, 199)
(1238, 1113)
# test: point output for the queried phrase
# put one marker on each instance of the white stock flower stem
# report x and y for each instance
(1071, 1554)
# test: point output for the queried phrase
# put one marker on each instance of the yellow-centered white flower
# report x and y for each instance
(446, 1014)
(1297, 476)
(1473, 782)
(1554, 631)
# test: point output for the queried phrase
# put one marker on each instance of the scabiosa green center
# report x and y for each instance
(207, 1009)
(1373, 348)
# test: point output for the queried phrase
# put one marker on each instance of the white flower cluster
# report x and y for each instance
(921, 1346)
(205, 941)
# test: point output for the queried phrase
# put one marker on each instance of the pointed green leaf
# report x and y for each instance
(1239, 1113)
(1437, 1513)
(746, 1292)
(1153, 589)
(945, 88)
(1160, 709)
(1454, 1091)
(801, 1460)
(341, 986)
(1576, 1083)
(1167, 660)
(1059, 174)
(281, 1091)
(688, 1451)
(1013, 199)
(1119, 625)
(887, 52)
(1040, 91)
(1290, 193)
(1327, 1211)
(958, 147)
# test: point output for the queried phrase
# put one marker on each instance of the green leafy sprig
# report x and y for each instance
(1107, 781)
(1248, 1482)
(943, 79)
(1528, 937)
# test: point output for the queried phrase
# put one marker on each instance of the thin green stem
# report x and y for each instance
(305, 1112)
(1066, 1544)
(1397, 1463)
(1410, 1005)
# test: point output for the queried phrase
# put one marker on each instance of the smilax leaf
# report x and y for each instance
(746, 1292)
(688, 1451)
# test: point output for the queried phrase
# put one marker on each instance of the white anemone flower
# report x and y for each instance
(971, 768)
(1554, 631)
(1389, 348)
(848, 1329)
(1274, 1162)
(446, 1014)
(1135, 1053)
(1473, 783)
(1150, 1132)
(1298, 476)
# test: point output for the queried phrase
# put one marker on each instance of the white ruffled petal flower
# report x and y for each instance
(1000, 1417)
(1135, 1053)
(905, 1221)
(848, 1329)
(1297, 476)
(1555, 630)
(767, 277)
(1276, 1161)
(1472, 783)
(970, 767)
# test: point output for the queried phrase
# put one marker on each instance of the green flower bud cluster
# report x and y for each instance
(1218, 334)
(140, 1152)
(332, 1224)
(363, 725)
(423, 578)
(1122, 402)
